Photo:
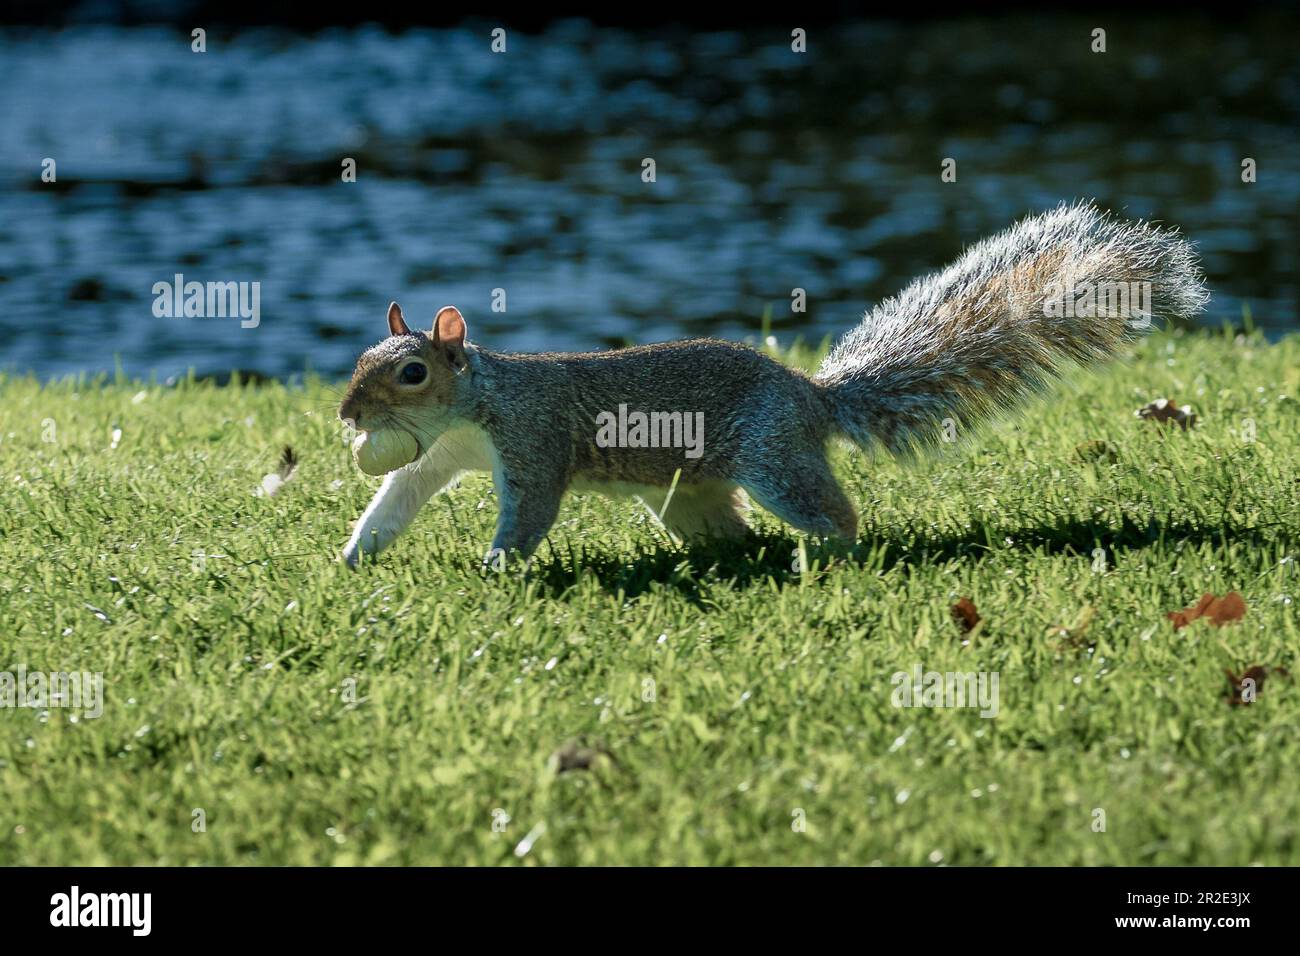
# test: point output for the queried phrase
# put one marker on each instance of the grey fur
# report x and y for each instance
(965, 341)
(957, 344)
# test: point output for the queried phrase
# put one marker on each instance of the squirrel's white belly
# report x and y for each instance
(617, 489)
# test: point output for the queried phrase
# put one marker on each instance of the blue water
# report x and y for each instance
(522, 172)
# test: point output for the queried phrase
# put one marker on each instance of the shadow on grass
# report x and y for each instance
(767, 557)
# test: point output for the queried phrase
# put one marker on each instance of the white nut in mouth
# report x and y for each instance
(384, 450)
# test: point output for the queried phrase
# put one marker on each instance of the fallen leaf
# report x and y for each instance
(273, 482)
(964, 613)
(1255, 674)
(1230, 607)
(1218, 610)
(1167, 410)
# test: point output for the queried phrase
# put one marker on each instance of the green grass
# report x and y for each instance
(729, 691)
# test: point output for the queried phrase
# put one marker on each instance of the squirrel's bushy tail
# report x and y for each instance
(1000, 321)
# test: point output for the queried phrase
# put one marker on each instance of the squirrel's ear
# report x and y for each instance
(449, 326)
(396, 324)
(449, 335)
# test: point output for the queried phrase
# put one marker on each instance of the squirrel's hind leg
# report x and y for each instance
(802, 492)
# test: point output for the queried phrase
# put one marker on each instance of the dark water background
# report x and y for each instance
(521, 171)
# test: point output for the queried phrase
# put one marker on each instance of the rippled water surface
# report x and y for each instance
(522, 172)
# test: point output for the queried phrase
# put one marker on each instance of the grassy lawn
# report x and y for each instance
(739, 712)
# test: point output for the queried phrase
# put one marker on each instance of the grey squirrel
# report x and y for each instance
(949, 350)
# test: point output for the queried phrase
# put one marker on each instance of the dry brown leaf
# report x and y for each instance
(964, 613)
(1167, 410)
(1255, 674)
(1217, 610)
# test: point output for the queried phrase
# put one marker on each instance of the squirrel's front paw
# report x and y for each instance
(369, 544)
(350, 554)
(353, 550)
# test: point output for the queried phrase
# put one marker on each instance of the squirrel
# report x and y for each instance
(948, 351)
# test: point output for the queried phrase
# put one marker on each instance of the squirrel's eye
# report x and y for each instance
(413, 373)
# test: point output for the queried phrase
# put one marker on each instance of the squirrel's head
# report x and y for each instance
(408, 372)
